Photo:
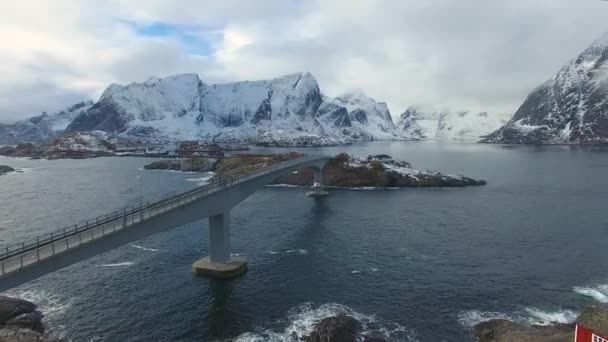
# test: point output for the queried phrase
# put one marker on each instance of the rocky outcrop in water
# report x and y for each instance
(376, 171)
(184, 165)
(340, 328)
(21, 322)
(500, 330)
(5, 169)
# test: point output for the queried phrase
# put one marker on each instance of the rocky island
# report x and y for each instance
(4, 169)
(20, 321)
(344, 171)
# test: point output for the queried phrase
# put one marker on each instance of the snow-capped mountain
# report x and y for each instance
(43, 126)
(570, 108)
(432, 124)
(291, 107)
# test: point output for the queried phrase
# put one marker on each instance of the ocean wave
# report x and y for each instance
(145, 248)
(597, 292)
(370, 270)
(289, 251)
(301, 320)
(119, 264)
(527, 316)
(50, 305)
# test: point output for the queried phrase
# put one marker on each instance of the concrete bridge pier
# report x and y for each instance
(219, 263)
(318, 175)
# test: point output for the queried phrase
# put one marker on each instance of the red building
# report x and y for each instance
(592, 325)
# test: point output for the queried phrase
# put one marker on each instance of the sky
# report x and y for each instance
(475, 55)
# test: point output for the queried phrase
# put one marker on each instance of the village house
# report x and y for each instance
(592, 324)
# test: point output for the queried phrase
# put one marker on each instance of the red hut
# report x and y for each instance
(592, 324)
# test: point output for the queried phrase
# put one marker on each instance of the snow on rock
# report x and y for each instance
(570, 108)
(289, 109)
(95, 141)
(433, 124)
(43, 126)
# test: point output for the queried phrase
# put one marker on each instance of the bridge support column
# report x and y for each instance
(318, 176)
(219, 263)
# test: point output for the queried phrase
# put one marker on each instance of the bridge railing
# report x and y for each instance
(133, 214)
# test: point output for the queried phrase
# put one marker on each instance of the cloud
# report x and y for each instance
(467, 54)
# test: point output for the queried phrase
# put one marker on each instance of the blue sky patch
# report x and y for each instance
(191, 38)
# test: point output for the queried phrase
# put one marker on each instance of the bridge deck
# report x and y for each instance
(45, 247)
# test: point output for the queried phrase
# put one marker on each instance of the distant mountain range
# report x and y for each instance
(570, 108)
(433, 124)
(289, 110)
(43, 126)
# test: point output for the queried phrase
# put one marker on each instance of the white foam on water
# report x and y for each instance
(373, 269)
(289, 251)
(597, 292)
(540, 317)
(355, 272)
(119, 264)
(145, 248)
(528, 316)
(302, 319)
(473, 317)
(203, 179)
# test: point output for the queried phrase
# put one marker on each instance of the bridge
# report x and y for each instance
(47, 253)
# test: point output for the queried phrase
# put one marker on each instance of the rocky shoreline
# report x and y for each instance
(20, 321)
(500, 330)
(342, 171)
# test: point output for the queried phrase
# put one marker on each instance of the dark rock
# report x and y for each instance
(198, 164)
(374, 338)
(5, 169)
(341, 328)
(171, 164)
(32, 321)
(499, 330)
(8, 151)
(13, 307)
(185, 165)
(17, 334)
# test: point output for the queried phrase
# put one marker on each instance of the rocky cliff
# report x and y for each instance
(570, 108)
